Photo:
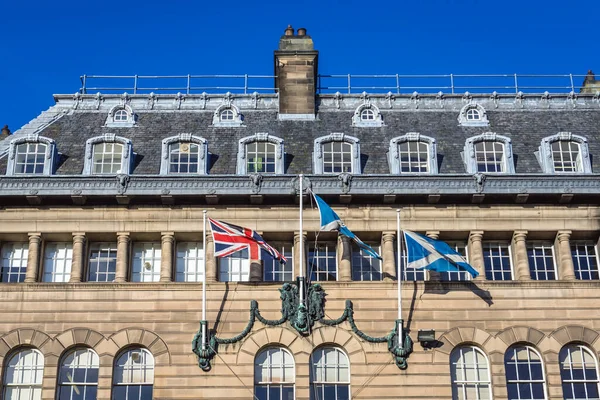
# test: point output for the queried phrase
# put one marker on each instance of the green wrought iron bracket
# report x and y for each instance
(303, 317)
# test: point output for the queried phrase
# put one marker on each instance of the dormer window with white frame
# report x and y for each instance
(488, 153)
(260, 153)
(413, 153)
(184, 154)
(120, 116)
(108, 154)
(336, 153)
(367, 115)
(473, 115)
(565, 153)
(31, 155)
(227, 115)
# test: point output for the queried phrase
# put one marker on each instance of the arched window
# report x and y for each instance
(274, 374)
(260, 153)
(525, 378)
(470, 373)
(329, 374)
(227, 115)
(108, 154)
(184, 154)
(473, 115)
(367, 115)
(413, 153)
(579, 373)
(133, 375)
(78, 375)
(488, 153)
(336, 153)
(565, 153)
(31, 155)
(120, 116)
(23, 375)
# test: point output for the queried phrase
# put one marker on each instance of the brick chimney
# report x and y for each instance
(590, 84)
(296, 75)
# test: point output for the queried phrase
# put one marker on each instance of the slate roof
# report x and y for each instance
(526, 128)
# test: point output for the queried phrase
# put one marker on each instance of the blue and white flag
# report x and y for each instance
(435, 255)
(330, 221)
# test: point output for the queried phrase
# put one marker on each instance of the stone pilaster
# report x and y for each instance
(475, 249)
(345, 259)
(78, 259)
(256, 271)
(434, 276)
(166, 256)
(297, 252)
(33, 256)
(123, 240)
(210, 259)
(562, 244)
(521, 260)
(389, 256)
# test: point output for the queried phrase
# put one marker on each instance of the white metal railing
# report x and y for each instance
(349, 83)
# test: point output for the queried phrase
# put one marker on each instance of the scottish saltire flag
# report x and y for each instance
(330, 221)
(435, 255)
(230, 238)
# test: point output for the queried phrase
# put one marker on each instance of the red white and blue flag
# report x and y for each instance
(230, 238)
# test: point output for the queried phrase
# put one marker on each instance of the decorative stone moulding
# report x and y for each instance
(127, 155)
(473, 114)
(185, 138)
(50, 155)
(469, 152)
(336, 137)
(394, 156)
(237, 118)
(367, 115)
(117, 112)
(544, 155)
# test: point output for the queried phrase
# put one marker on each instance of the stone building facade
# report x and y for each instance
(101, 232)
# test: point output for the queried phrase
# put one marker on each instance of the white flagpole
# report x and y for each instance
(301, 240)
(399, 251)
(204, 282)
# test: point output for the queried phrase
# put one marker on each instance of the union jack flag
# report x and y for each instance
(230, 238)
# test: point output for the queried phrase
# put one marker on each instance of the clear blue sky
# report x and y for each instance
(46, 45)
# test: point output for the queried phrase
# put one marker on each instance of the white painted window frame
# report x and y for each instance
(242, 156)
(270, 366)
(336, 137)
(375, 122)
(463, 118)
(165, 160)
(237, 120)
(128, 123)
(50, 157)
(394, 154)
(469, 156)
(462, 384)
(545, 156)
(126, 157)
(520, 381)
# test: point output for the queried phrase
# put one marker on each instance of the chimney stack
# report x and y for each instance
(296, 75)
(590, 84)
(5, 132)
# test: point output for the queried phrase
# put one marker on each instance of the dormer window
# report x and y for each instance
(227, 115)
(184, 154)
(488, 153)
(120, 116)
(31, 155)
(367, 115)
(108, 154)
(413, 153)
(473, 115)
(336, 153)
(564, 153)
(260, 153)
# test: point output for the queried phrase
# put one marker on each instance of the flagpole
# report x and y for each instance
(399, 251)
(204, 282)
(301, 240)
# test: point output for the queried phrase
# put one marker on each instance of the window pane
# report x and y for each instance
(58, 257)
(107, 158)
(235, 267)
(30, 158)
(364, 266)
(13, 261)
(145, 266)
(579, 372)
(470, 373)
(585, 260)
(275, 271)
(322, 262)
(102, 263)
(497, 261)
(190, 262)
(541, 261)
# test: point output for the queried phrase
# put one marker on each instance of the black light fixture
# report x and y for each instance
(426, 337)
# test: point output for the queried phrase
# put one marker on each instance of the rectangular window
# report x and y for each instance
(58, 257)
(274, 271)
(322, 262)
(454, 276)
(364, 266)
(585, 260)
(190, 262)
(102, 265)
(541, 261)
(145, 266)
(108, 158)
(14, 261)
(413, 157)
(235, 267)
(489, 156)
(497, 261)
(337, 157)
(30, 158)
(183, 158)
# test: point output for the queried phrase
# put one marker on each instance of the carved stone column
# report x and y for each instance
(297, 252)
(566, 269)
(210, 259)
(33, 256)
(476, 253)
(434, 276)
(77, 261)
(345, 259)
(521, 261)
(123, 240)
(166, 256)
(389, 256)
